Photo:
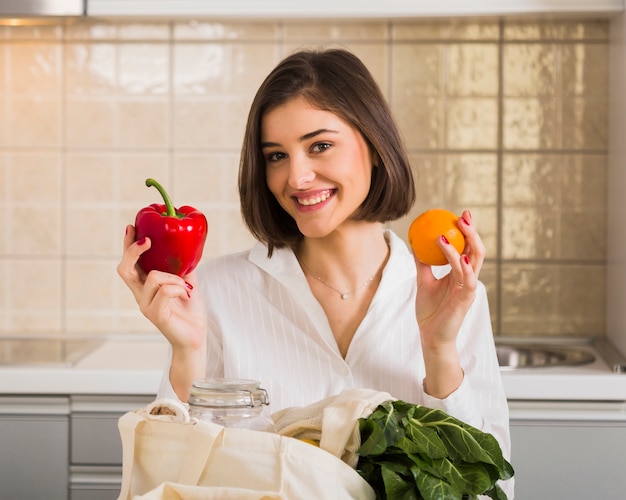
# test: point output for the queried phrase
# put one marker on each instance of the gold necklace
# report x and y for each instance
(343, 295)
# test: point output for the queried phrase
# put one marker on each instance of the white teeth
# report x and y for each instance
(314, 200)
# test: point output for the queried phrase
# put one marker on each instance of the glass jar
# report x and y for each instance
(230, 402)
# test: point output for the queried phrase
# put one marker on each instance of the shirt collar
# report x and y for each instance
(283, 264)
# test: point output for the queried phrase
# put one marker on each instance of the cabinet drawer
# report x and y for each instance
(95, 438)
(33, 456)
(95, 482)
(94, 494)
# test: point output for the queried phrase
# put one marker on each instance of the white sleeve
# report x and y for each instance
(166, 391)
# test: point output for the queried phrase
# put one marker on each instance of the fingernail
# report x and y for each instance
(466, 259)
(465, 221)
(445, 240)
(141, 241)
(126, 231)
(188, 295)
(189, 285)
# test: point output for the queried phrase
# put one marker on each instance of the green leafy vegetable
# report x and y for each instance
(410, 452)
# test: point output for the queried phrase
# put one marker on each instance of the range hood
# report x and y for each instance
(275, 9)
(345, 9)
(41, 8)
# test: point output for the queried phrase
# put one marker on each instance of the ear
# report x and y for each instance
(375, 159)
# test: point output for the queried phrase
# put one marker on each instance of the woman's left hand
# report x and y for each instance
(442, 303)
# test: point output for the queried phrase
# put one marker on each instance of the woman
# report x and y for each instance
(329, 298)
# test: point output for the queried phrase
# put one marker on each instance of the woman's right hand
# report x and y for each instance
(167, 300)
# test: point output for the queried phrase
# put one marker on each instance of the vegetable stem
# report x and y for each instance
(170, 210)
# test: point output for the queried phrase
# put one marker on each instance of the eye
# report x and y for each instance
(274, 156)
(320, 147)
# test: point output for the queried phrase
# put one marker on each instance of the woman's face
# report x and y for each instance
(317, 166)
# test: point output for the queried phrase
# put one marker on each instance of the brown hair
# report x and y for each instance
(337, 81)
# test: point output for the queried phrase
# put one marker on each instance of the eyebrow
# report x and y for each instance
(305, 137)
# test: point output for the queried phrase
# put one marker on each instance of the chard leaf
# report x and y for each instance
(381, 430)
(464, 442)
(496, 493)
(412, 452)
(431, 487)
(422, 439)
(397, 486)
(373, 440)
(468, 478)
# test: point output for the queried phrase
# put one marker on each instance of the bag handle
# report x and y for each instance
(202, 440)
(127, 426)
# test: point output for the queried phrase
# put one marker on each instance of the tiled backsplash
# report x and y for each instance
(507, 119)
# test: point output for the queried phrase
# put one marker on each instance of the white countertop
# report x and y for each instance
(594, 382)
(134, 366)
(118, 366)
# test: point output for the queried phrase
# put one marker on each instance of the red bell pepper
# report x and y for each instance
(177, 235)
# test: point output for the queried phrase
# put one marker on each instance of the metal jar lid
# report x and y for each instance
(227, 393)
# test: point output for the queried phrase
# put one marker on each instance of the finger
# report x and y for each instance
(474, 247)
(424, 273)
(129, 237)
(451, 253)
(157, 280)
(128, 267)
(191, 281)
(468, 278)
(160, 288)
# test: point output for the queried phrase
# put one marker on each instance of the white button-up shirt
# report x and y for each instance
(265, 324)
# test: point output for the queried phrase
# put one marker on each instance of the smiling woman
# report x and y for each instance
(329, 299)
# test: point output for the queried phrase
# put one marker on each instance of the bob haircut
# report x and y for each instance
(337, 81)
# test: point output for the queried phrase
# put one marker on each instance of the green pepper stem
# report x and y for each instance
(170, 210)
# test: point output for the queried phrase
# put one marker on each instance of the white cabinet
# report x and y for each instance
(62, 447)
(34, 437)
(347, 9)
(95, 445)
(557, 454)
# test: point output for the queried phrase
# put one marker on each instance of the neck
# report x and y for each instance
(345, 260)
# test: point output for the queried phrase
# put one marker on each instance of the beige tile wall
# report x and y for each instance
(508, 119)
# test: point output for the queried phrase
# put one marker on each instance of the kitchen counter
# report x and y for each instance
(118, 365)
(594, 382)
(128, 365)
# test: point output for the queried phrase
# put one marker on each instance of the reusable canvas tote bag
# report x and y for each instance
(172, 456)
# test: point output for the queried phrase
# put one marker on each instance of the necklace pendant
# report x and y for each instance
(344, 296)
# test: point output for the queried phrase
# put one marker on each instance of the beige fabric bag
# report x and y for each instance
(169, 456)
(333, 421)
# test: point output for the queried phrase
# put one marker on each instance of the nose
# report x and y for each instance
(301, 173)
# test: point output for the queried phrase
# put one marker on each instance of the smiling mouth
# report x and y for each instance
(314, 200)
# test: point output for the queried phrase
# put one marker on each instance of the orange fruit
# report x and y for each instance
(427, 227)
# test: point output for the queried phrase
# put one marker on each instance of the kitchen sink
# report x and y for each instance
(44, 351)
(516, 356)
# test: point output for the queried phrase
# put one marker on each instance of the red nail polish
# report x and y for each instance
(445, 240)
(466, 259)
(188, 295)
(141, 241)
(126, 231)
(189, 285)
(465, 221)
